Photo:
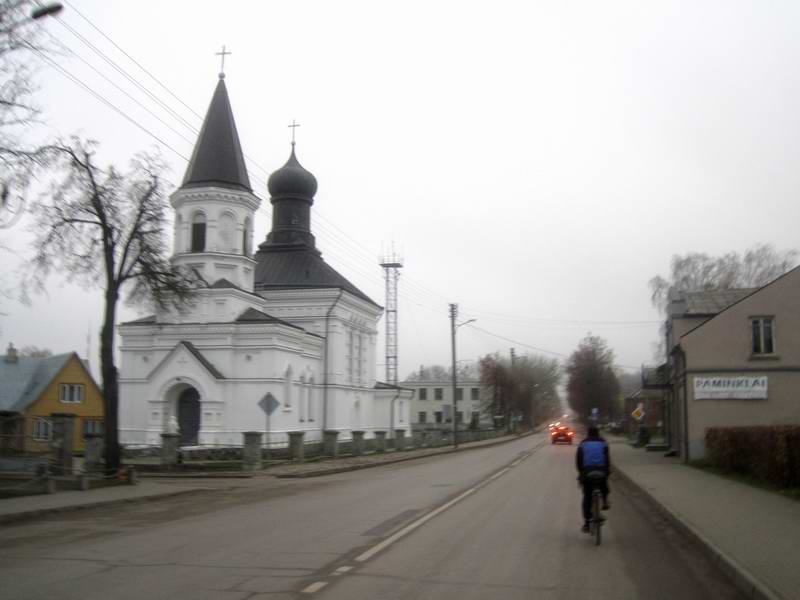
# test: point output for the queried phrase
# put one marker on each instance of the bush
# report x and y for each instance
(767, 453)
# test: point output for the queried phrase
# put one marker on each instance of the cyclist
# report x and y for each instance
(592, 455)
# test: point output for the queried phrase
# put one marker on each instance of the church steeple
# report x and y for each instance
(217, 159)
(292, 190)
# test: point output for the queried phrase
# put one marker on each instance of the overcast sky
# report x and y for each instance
(535, 162)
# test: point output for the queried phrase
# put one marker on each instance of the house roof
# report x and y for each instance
(23, 381)
(217, 158)
(744, 293)
(710, 302)
(299, 267)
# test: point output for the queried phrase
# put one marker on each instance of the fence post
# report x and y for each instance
(297, 445)
(251, 453)
(169, 449)
(358, 442)
(330, 445)
(400, 439)
(62, 443)
(380, 441)
(93, 453)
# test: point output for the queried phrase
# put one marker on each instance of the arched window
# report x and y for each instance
(287, 389)
(227, 241)
(198, 232)
(302, 398)
(246, 236)
(178, 233)
(311, 399)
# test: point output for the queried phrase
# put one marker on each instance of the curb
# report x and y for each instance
(742, 578)
(399, 459)
(34, 514)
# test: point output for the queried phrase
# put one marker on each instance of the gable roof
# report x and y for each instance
(285, 267)
(749, 292)
(217, 158)
(22, 382)
(192, 349)
(710, 302)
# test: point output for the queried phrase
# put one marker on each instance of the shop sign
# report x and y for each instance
(724, 388)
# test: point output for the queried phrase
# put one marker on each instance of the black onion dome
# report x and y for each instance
(292, 180)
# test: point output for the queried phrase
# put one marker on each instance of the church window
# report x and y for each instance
(401, 410)
(178, 233)
(311, 398)
(302, 398)
(359, 355)
(227, 242)
(350, 355)
(246, 235)
(198, 233)
(287, 391)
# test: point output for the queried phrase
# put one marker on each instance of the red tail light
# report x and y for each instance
(571, 433)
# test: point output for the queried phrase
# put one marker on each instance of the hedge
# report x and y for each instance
(768, 453)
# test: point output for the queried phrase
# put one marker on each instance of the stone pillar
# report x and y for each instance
(330, 443)
(399, 439)
(380, 441)
(62, 443)
(297, 448)
(358, 443)
(169, 449)
(251, 452)
(93, 453)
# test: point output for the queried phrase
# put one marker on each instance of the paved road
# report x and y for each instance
(514, 537)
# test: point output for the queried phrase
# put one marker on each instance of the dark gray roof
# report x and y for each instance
(709, 302)
(252, 315)
(217, 158)
(287, 267)
(23, 381)
(148, 320)
(203, 360)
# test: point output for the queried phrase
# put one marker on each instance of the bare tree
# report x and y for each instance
(104, 228)
(19, 48)
(696, 271)
(35, 352)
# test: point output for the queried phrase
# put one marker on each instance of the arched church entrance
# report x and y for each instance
(189, 416)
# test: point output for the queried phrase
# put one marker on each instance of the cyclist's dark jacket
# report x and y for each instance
(592, 455)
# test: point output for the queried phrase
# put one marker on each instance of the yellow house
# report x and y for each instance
(33, 389)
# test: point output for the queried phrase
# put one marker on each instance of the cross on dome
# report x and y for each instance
(223, 54)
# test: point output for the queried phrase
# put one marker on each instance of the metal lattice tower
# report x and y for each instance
(391, 266)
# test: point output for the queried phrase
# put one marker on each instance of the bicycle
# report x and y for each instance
(597, 520)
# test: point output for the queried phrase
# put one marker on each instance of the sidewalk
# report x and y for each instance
(752, 533)
(163, 486)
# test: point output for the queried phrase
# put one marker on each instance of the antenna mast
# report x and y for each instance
(391, 264)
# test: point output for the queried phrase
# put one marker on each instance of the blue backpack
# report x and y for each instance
(594, 453)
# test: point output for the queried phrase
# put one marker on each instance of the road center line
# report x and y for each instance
(424, 519)
(314, 587)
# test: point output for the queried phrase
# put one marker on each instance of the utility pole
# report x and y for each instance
(513, 399)
(453, 315)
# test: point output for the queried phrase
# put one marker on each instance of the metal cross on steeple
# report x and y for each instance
(294, 127)
(223, 54)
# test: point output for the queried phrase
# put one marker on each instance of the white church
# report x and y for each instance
(279, 322)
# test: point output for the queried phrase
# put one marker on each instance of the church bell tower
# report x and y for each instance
(215, 205)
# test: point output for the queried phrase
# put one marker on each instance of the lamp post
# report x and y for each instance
(453, 327)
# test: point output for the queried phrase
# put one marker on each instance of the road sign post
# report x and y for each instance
(268, 404)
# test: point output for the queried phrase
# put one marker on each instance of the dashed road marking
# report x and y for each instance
(314, 587)
(342, 570)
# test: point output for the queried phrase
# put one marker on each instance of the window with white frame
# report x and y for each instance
(423, 393)
(763, 335)
(474, 394)
(287, 390)
(70, 393)
(42, 429)
(311, 399)
(423, 417)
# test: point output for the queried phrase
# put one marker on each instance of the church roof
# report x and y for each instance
(202, 359)
(299, 267)
(252, 315)
(217, 158)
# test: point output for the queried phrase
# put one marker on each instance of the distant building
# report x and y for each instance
(432, 405)
(734, 360)
(33, 389)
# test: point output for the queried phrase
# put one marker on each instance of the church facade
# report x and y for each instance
(277, 340)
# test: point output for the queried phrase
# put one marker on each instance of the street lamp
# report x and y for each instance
(453, 327)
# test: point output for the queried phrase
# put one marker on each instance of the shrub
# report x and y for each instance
(768, 453)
